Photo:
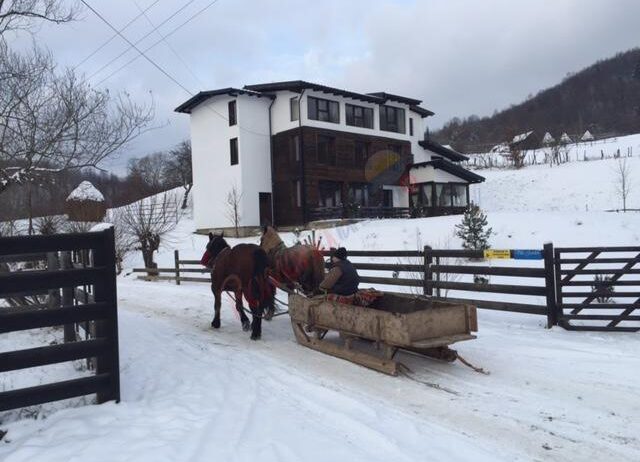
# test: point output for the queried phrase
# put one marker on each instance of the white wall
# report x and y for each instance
(255, 158)
(428, 174)
(213, 174)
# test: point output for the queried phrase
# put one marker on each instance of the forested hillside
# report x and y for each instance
(603, 98)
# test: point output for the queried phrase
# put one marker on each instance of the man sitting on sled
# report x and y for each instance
(342, 280)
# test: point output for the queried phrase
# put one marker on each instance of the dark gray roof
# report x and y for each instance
(202, 96)
(450, 167)
(265, 89)
(442, 150)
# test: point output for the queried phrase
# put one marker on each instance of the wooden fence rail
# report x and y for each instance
(100, 308)
(434, 272)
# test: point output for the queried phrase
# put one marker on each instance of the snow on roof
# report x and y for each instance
(587, 136)
(502, 147)
(548, 138)
(521, 137)
(566, 138)
(86, 192)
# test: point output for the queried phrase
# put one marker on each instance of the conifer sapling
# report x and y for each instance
(474, 230)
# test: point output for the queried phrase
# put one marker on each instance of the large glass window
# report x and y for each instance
(323, 110)
(426, 191)
(459, 195)
(359, 193)
(294, 108)
(359, 116)
(443, 196)
(329, 194)
(326, 150)
(392, 119)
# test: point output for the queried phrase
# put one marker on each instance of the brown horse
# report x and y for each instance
(300, 264)
(242, 270)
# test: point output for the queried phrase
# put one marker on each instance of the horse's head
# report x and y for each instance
(269, 239)
(215, 245)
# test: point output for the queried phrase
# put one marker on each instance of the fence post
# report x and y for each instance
(437, 277)
(67, 297)
(550, 285)
(105, 291)
(176, 257)
(427, 288)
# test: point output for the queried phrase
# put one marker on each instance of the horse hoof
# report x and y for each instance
(246, 325)
(255, 336)
(215, 323)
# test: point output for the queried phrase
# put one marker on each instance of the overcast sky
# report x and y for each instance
(459, 57)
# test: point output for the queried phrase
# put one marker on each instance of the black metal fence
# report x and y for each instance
(58, 283)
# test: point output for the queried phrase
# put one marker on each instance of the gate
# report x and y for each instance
(101, 308)
(597, 288)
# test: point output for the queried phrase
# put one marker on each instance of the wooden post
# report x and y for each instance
(67, 298)
(105, 291)
(427, 289)
(176, 258)
(54, 294)
(550, 285)
(437, 277)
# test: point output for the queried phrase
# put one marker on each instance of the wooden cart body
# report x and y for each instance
(395, 321)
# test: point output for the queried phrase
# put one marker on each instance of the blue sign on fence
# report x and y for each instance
(526, 254)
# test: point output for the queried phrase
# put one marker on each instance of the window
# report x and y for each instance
(232, 113)
(359, 194)
(459, 195)
(323, 110)
(294, 108)
(387, 198)
(361, 151)
(443, 195)
(410, 126)
(233, 149)
(329, 194)
(294, 149)
(325, 150)
(392, 119)
(358, 116)
(298, 193)
(394, 156)
(427, 194)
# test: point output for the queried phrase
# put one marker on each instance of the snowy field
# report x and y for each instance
(190, 393)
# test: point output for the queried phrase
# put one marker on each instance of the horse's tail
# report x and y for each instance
(262, 291)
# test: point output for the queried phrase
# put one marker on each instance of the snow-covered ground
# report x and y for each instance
(192, 393)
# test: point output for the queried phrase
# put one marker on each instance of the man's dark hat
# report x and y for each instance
(340, 253)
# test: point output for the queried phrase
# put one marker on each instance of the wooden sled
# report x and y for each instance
(395, 321)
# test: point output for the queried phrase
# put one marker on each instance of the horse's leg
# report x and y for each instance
(217, 294)
(246, 325)
(256, 323)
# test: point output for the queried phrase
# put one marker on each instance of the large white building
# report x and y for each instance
(295, 152)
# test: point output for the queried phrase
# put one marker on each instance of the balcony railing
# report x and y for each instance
(341, 212)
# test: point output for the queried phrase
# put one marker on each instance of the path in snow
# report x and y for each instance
(191, 393)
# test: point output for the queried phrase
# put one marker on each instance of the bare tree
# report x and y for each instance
(148, 221)
(622, 181)
(51, 122)
(516, 156)
(148, 172)
(234, 196)
(178, 169)
(125, 242)
(16, 15)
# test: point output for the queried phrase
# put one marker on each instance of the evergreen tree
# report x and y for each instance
(474, 230)
(636, 73)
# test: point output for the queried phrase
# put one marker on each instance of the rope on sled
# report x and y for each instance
(468, 364)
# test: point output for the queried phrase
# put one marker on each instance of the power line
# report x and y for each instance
(114, 36)
(173, 50)
(142, 53)
(141, 38)
(132, 45)
(158, 41)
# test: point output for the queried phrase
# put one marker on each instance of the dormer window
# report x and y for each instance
(392, 119)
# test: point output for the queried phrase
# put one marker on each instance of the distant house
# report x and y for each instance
(85, 203)
(587, 136)
(548, 139)
(525, 141)
(299, 151)
(565, 139)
